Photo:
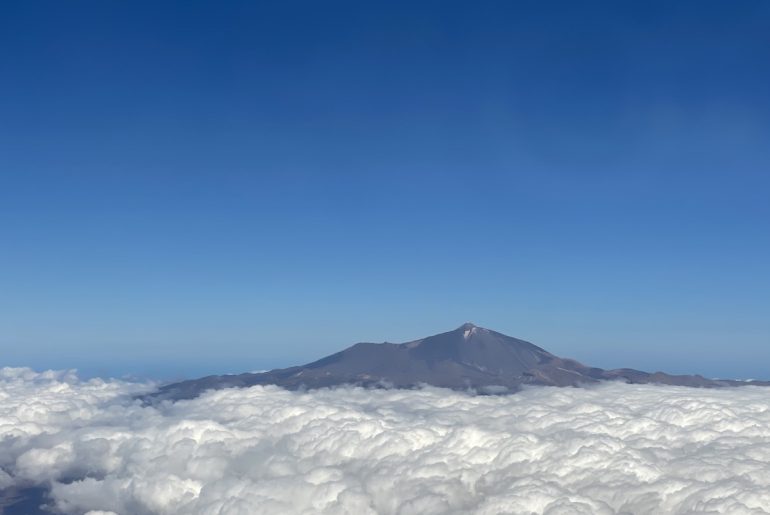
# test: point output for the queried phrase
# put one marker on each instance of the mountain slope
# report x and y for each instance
(467, 358)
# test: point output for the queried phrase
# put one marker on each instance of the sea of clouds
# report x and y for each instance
(614, 448)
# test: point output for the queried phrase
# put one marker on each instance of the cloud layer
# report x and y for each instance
(610, 449)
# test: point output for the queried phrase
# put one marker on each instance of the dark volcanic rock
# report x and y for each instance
(468, 358)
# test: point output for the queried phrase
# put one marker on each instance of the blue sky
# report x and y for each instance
(202, 187)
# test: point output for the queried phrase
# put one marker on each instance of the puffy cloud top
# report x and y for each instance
(610, 449)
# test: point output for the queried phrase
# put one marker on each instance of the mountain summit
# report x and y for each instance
(467, 358)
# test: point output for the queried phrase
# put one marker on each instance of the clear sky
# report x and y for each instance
(202, 187)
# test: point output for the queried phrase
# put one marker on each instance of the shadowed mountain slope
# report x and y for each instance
(468, 358)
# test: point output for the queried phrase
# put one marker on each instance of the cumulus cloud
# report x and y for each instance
(610, 449)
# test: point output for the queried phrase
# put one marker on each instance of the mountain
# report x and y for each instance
(467, 358)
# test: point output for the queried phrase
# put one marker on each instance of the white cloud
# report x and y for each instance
(610, 449)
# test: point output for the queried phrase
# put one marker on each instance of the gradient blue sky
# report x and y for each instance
(201, 187)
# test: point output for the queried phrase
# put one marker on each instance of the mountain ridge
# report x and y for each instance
(466, 358)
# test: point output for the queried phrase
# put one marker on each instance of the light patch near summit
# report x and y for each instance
(470, 330)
